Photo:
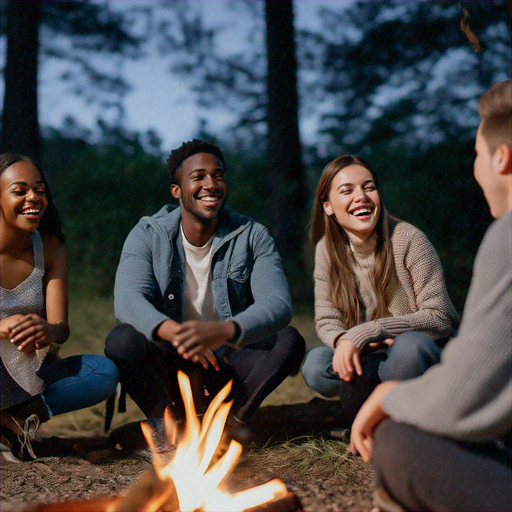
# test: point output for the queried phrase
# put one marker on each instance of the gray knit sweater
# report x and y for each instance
(418, 299)
(468, 395)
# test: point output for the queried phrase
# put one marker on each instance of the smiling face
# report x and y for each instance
(203, 189)
(354, 201)
(23, 199)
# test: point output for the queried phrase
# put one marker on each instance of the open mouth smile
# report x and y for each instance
(31, 213)
(362, 212)
(210, 200)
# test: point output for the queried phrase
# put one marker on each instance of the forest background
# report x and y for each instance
(394, 81)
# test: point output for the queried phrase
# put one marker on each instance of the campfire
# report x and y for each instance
(193, 480)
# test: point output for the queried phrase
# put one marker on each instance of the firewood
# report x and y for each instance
(289, 503)
(150, 487)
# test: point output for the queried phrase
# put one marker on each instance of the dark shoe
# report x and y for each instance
(131, 439)
(18, 447)
(239, 431)
(340, 434)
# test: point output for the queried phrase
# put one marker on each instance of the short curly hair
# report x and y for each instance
(186, 150)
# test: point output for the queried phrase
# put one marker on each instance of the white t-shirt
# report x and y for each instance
(198, 281)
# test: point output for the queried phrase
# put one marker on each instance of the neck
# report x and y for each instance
(14, 241)
(358, 238)
(196, 231)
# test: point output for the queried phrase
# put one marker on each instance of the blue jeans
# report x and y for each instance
(410, 356)
(77, 382)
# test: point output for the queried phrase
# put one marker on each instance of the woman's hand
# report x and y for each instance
(6, 324)
(32, 332)
(367, 419)
(347, 360)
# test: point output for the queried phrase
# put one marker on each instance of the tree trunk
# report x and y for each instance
(20, 127)
(288, 199)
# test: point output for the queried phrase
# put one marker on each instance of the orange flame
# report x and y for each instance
(200, 463)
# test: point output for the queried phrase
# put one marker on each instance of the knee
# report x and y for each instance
(411, 354)
(292, 346)
(315, 370)
(290, 338)
(125, 343)
(105, 370)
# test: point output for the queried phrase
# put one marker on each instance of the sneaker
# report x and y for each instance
(18, 447)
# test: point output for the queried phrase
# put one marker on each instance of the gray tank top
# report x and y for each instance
(27, 297)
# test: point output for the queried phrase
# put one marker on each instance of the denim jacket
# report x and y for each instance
(248, 281)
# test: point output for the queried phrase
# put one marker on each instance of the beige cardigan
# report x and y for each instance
(418, 299)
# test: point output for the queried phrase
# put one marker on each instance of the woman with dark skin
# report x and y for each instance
(33, 314)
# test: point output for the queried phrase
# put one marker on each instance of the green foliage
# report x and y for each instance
(101, 193)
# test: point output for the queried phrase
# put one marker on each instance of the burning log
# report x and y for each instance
(288, 503)
(149, 488)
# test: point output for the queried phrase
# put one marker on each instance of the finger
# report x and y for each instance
(200, 359)
(366, 448)
(194, 351)
(210, 356)
(25, 334)
(27, 346)
(357, 363)
(19, 328)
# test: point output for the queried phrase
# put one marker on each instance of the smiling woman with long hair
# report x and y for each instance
(381, 305)
(33, 314)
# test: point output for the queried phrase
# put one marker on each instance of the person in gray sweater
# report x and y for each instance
(442, 441)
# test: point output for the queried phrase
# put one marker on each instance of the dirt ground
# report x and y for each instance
(320, 472)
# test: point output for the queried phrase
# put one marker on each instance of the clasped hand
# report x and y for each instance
(195, 339)
(28, 332)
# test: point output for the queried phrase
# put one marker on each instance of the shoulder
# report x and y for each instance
(497, 242)
(53, 249)
(321, 249)
(405, 237)
(164, 223)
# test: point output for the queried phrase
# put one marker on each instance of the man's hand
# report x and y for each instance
(367, 419)
(195, 337)
(167, 330)
(346, 360)
(206, 357)
(32, 332)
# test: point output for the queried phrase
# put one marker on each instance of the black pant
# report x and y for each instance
(423, 471)
(148, 371)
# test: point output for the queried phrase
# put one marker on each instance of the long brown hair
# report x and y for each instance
(344, 291)
(50, 222)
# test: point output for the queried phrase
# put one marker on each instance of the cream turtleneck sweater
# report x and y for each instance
(418, 299)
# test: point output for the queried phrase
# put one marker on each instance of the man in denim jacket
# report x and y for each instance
(201, 288)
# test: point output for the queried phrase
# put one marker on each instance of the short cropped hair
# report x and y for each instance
(186, 150)
(495, 110)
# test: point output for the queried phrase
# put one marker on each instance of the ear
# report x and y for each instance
(327, 208)
(175, 191)
(502, 159)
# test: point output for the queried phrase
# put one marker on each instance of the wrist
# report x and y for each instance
(166, 330)
(233, 332)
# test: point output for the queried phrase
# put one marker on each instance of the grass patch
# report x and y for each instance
(310, 458)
